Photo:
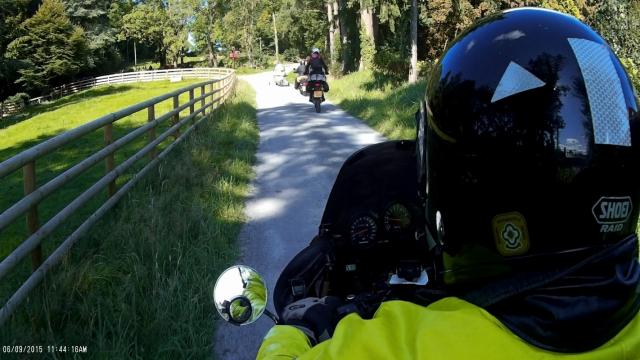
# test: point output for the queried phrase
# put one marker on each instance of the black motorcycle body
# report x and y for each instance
(361, 247)
(316, 87)
(302, 87)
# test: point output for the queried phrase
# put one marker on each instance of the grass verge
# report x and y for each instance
(245, 70)
(140, 284)
(41, 122)
(382, 103)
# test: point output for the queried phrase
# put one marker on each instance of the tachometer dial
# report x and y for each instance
(397, 218)
(363, 230)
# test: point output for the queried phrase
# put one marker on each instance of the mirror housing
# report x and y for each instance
(240, 295)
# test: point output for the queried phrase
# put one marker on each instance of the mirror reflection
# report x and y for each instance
(240, 295)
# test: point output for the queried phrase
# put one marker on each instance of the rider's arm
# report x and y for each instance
(283, 341)
(324, 66)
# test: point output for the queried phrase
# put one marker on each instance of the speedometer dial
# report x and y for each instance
(397, 218)
(363, 230)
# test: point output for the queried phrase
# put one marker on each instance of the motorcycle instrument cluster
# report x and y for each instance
(397, 219)
(364, 230)
(396, 224)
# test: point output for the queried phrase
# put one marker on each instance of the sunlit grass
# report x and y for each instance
(139, 285)
(46, 120)
(383, 104)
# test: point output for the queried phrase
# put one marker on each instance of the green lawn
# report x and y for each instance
(47, 120)
(383, 104)
(44, 121)
(140, 284)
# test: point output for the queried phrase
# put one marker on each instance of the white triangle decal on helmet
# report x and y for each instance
(515, 79)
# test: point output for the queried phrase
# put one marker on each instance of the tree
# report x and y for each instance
(147, 23)
(565, 6)
(413, 66)
(332, 28)
(347, 38)
(179, 16)
(51, 47)
(12, 14)
(93, 17)
(367, 34)
(618, 21)
(240, 25)
(207, 24)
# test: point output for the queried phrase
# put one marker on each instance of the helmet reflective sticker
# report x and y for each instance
(515, 79)
(604, 91)
(510, 234)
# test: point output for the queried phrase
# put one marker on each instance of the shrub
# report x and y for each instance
(367, 50)
(20, 99)
(425, 67)
(633, 71)
(391, 63)
(291, 54)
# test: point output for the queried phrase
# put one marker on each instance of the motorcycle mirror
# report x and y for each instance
(240, 295)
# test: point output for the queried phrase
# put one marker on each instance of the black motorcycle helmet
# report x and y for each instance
(530, 146)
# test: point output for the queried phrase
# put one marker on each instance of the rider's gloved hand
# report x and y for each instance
(317, 318)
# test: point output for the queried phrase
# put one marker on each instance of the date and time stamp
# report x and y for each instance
(43, 349)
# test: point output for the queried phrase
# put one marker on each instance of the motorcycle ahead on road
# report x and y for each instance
(371, 245)
(301, 85)
(316, 87)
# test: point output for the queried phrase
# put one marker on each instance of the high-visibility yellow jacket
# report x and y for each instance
(447, 329)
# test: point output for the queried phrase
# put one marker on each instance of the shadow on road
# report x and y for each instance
(299, 156)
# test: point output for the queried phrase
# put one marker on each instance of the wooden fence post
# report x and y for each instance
(151, 134)
(109, 161)
(212, 95)
(204, 111)
(219, 93)
(192, 107)
(176, 117)
(29, 177)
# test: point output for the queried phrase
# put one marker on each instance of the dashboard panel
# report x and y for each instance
(374, 214)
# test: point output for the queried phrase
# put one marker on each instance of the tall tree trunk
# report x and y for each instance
(163, 54)
(211, 59)
(210, 55)
(413, 67)
(368, 40)
(332, 30)
(250, 35)
(135, 54)
(344, 36)
(275, 36)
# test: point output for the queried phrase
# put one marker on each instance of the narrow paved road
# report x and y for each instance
(299, 156)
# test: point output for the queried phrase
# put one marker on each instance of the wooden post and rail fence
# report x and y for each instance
(209, 95)
(8, 108)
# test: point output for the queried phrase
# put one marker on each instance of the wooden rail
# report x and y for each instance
(205, 102)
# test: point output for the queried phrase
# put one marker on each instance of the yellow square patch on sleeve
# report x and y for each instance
(510, 234)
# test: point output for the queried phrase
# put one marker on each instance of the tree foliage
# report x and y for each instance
(75, 38)
(50, 46)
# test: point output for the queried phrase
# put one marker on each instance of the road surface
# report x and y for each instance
(298, 159)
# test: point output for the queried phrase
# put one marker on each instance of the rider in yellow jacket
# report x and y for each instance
(528, 147)
(447, 329)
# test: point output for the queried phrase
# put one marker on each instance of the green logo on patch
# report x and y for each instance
(510, 234)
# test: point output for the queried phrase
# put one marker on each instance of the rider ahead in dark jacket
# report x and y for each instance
(315, 64)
